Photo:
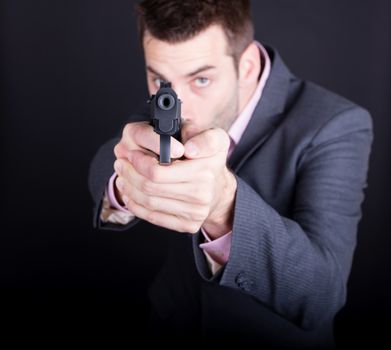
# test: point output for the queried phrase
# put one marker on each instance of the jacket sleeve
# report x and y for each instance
(100, 171)
(299, 266)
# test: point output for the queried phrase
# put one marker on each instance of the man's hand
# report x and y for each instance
(140, 136)
(196, 191)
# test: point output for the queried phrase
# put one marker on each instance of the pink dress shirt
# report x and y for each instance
(218, 250)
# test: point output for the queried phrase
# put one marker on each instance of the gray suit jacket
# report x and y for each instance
(301, 168)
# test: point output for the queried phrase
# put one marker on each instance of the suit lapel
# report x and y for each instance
(267, 114)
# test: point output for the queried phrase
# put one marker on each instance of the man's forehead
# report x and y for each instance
(204, 48)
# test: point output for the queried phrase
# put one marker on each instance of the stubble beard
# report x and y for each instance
(223, 119)
(228, 114)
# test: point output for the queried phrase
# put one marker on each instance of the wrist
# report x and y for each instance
(220, 220)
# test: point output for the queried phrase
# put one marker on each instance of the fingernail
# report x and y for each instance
(191, 149)
(175, 153)
(176, 149)
(125, 199)
(120, 184)
(118, 167)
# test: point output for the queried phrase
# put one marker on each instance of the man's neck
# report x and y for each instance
(245, 96)
(249, 96)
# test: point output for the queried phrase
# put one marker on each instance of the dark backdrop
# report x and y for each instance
(71, 72)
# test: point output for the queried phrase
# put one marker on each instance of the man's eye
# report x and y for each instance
(202, 82)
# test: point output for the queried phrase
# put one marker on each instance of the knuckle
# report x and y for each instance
(198, 187)
(203, 199)
(132, 193)
(116, 167)
(197, 192)
(205, 213)
(117, 148)
(217, 140)
(207, 198)
(223, 136)
(193, 227)
(210, 142)
(193, 216)
(149, 202)
(138, 134)
(147, 187)
(208, 176)
(214, 143)
(151, 217)
(120, 184)
(227, 142)
(202, 194)
(153, 173)
(200, 214)
(128, 130)
(132, 207)
(182, 229)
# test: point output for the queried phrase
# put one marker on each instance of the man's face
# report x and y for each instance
(202, 74)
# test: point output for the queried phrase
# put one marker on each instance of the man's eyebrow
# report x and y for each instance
(156, 73)
(199, 70)
(195, 72)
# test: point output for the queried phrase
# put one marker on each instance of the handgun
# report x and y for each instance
(165, 118)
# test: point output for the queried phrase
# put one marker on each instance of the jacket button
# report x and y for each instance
(243, 282)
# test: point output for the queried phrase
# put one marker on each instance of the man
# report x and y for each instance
(264, 190)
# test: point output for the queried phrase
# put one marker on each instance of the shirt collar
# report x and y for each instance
(239, 125)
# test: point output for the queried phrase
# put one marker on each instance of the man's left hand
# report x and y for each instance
(190, 193)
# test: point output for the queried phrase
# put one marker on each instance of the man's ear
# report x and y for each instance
(249, 65)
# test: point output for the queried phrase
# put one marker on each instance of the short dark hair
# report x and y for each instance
(176, 21)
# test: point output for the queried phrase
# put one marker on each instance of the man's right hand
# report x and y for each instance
(141, 136)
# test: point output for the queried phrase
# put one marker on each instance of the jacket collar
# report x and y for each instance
(267, 113)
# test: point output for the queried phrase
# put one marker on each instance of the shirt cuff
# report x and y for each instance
(111, 195)
(112, 215)
(218, 249)
(112, 211)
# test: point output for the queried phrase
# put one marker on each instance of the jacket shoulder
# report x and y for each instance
(315, 108)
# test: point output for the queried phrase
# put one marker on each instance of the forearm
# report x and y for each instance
(298, 263)
(101, 170)
(276, 261)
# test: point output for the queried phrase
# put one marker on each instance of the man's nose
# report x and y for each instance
(178, 90)
(186, 105)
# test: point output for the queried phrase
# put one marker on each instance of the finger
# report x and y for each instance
(207, 144)
(184, 210)
(170, 222)
(142, 135)
(178, 171)
(192, 192)
(120, 150)
(189, 130)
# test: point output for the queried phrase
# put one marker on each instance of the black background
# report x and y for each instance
(71, 73)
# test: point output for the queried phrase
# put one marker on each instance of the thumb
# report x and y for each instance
(207, 144)
(188, 131)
